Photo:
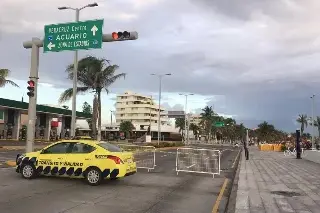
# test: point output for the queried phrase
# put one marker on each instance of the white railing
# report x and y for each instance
(206, 161)
(145, 156)
(200, 142)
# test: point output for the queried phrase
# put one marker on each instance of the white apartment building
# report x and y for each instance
(195, 119)
(139, 109)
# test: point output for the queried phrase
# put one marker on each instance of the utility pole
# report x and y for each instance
(75, 72)
(312, 122)
(186, 126)
(159, 109)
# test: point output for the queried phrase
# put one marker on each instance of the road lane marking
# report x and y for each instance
(235, 160)
(217, 203)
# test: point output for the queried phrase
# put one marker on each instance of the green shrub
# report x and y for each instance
(283, 147)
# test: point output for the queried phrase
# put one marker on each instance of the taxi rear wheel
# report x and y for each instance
(28, 171)
(93, 176)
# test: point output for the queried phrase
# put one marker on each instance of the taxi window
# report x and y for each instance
(82, 148)
(110, 147)
(60, 148)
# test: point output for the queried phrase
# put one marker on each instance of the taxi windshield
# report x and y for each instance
(110, 147)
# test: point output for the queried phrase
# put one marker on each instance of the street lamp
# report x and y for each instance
(111, 111)
(159, 122)
(312, 122)
(75, 69)
(186, 126)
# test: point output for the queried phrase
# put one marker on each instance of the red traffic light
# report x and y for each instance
(31, 83)
(120, 35)
(115, 36)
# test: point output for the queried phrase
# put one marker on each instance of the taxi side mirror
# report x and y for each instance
(43, 151)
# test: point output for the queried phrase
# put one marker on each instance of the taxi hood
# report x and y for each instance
(32, 154)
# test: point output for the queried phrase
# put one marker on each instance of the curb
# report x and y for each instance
(231, 203)
(11, 163)
(165, 148)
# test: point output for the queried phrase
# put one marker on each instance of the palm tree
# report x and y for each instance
(303, 120)
(207, 117)
(96, 75)
(4, 73)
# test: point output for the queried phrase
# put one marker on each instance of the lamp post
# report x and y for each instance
(312, 122)
(111, 111)
(186, 125)
(75, 68)
(159, 122)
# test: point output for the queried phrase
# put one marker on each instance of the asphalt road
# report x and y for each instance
(161, 190)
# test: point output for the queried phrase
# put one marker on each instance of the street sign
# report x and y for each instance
(219, 124)
(80, 35)
(176, 114)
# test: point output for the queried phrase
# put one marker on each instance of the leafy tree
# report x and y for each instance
(180, 123)
(4, 73)
(127, 127)
(317, 124)
(96, 75)
(195, 129)
(86, 108)
(265, 131)
(303, 120)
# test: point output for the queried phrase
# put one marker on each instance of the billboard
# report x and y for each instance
(176, 114)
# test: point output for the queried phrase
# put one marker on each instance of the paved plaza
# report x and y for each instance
(269, 182)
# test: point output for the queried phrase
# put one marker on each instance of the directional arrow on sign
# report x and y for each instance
(94, 29)
(50, 45)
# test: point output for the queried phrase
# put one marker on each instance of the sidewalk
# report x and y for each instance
(269, 182)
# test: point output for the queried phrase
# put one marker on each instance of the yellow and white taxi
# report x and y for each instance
(87, 159)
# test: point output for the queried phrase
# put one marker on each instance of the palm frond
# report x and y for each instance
(68, 93)
(12, 83)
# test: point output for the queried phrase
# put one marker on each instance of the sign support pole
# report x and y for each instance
(74, 90)
(32, 111)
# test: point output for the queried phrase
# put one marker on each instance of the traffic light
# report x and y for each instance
(31, 88)
(120, 36)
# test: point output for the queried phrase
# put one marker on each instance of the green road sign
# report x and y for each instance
(73, 36)
(219, 124)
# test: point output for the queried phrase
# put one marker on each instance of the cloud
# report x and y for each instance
(257, 60)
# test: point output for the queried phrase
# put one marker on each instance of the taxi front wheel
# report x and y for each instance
(28, 171)
(93, 176)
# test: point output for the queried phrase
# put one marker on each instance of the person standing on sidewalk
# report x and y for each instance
(246, 151)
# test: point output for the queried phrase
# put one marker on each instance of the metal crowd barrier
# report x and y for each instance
(145, 156)
(205, 161)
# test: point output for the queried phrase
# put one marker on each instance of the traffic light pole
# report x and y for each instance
(32, 111)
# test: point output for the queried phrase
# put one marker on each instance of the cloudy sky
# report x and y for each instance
(255, 60)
